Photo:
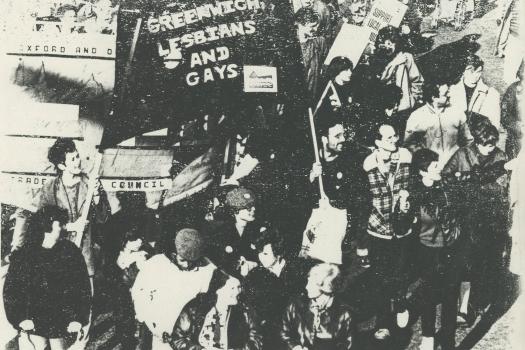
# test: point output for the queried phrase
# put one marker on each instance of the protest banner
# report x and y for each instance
(383, 13)
(357, 35)
(31, 129)
(180, 61)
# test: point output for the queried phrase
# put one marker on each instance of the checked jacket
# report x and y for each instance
(385, 191)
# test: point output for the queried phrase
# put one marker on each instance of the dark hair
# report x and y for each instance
(388, 33)
(337, 65)
(43, 220)
(57, 152)
(473, 61)
(487, 134)
(431, 89)
(390, 95)
(306, 15)
(132, 234)
(422, 159)
(272, 237)
(327, 121)
(218, 280)
(64, 8)
(377, 127)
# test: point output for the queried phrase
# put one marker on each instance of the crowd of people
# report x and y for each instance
(410, 182)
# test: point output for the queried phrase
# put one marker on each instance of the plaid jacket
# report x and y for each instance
(385, 196)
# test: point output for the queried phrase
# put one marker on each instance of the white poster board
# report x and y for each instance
(383, 13)
(350, 42)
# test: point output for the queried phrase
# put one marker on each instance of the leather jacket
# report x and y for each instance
(243, 331)
(298, 320)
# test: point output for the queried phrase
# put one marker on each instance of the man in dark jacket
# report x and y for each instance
(217, 320)
(345, 187)
(47, 292)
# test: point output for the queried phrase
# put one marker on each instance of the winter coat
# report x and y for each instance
(402, 71)
(298, 323)
(442, 132)
(162, 289)
(243, 331)
(48, 286)
(54, 193)
(225, 246)
(485, 100)
(385, 196)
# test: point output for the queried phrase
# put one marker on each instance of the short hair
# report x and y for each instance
(431, 89)
(327, 121)
(43, 220)
(327, 276)
(422, 159)
(376, 130)
(307, 15)
(487, 134)
(274, 238)
(337, 65)
(473, 61)
(57, 152)
(388, 33)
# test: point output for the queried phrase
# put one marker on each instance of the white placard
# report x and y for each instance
(350, 42)
(260, 79)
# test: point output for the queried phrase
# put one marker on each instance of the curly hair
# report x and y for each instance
(57, 152)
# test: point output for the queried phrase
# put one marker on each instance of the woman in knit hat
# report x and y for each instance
(232, 245)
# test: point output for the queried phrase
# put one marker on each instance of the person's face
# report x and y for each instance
(388, 140)
(345, 75)
(71, 163)
(313, 288)
(443, 98)
(134, 245)
(182, 263)
(267, 257)
(486, 149)
(358, 11)
(472, 76)
(336, 138)
(433, 172)
(229, 293)
(247, 214)
(387, 47)
(391, 110)
(308, 30)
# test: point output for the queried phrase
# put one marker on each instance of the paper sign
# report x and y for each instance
(383, 13)
(260, 79)
(356, 35)
(143, 185)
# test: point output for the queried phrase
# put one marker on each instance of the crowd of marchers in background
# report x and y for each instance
(412, 179)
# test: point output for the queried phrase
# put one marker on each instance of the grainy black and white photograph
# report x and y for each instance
(262, 175)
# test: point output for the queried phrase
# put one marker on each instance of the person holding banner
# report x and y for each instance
(388, 171)
(68, 191)
(340, 210)
(46, 292)
(314, 46)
